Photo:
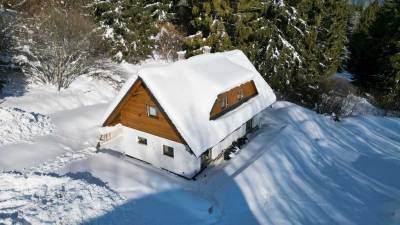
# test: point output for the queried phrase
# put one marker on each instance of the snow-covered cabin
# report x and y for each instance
(183, 115)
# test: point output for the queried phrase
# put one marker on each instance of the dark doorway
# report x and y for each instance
(205, 159)
(249, 126)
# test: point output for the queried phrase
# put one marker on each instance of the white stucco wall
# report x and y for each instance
(183, 163)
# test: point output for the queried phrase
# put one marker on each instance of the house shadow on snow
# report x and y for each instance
(182, 206)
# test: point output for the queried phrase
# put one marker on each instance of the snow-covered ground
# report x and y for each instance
(345, 75)
(18, 125)
(299, 168)
(51, 199)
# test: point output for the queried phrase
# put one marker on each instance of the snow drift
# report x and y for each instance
(298, 168)
(47, 199)
(18, 125)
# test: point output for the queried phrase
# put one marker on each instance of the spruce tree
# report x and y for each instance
(295, 44)
(128, 28)
(209, 21)
(363, 62)
(376, 52)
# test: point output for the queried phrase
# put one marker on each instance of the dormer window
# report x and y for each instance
(152, 111)
(233, 98)
(224, 102)
(240, 94)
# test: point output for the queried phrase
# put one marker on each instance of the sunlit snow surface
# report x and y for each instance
(298, 168)
(17, 125)
(50, 199)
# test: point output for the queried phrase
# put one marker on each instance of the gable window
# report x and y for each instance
(168, 151)
(152, 111)
(224, 101)
(142, 141)
(240, 94)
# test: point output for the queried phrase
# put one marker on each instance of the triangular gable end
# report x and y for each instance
(131, 112)
(115, 116)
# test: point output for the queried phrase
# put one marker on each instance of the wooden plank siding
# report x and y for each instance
(132, 113)
(248, 89)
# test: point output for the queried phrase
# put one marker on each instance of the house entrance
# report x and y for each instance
(249, 126)
(205, 159)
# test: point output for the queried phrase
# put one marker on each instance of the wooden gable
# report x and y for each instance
(132, 112)
(232, 100)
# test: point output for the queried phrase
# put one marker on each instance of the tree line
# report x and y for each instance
(295, 44)
(375, 48)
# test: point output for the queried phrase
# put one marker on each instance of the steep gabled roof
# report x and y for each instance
(187, 90)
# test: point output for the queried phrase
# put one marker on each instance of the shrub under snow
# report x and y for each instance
(18, 125)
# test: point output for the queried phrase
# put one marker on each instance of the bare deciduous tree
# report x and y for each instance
(169, 41)
(61, 45)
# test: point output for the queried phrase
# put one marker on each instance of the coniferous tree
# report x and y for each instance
(209, 20)
(362, 49)
(375, 51)
(295, 44)
(128, 28)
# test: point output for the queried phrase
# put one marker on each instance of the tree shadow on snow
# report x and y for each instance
(178, 207)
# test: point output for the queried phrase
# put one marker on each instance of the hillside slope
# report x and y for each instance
(298, 168)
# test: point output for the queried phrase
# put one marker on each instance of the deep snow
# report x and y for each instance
(51, 199)
(18, 125)
(299, 168)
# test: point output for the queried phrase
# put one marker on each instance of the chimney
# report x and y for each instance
(206, 50)
(181, 55)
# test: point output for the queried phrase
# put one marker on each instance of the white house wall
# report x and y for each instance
(183, 163)
(125, 139)
(238, 133)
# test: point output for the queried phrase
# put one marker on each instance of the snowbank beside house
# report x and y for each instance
(18, 125)
(317, 171)
(358, 106)
(298, 168)
(49, 199)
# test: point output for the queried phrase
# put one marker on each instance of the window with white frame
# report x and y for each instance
(168, 151)
(224, 101)
(240, 94)
(152, 111)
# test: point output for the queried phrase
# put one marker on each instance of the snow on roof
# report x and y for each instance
(187, 90)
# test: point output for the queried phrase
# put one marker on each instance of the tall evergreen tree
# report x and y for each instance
(376, 52)
(209, 20)
(128, 28)
(295, 44)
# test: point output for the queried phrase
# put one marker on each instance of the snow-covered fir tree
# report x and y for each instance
(294, 44)
(129, 27)
(375, 52)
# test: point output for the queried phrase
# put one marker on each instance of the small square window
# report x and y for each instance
(142, 141)
(152, 111)
(168, 151)
(224, 101)
(240, 94)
